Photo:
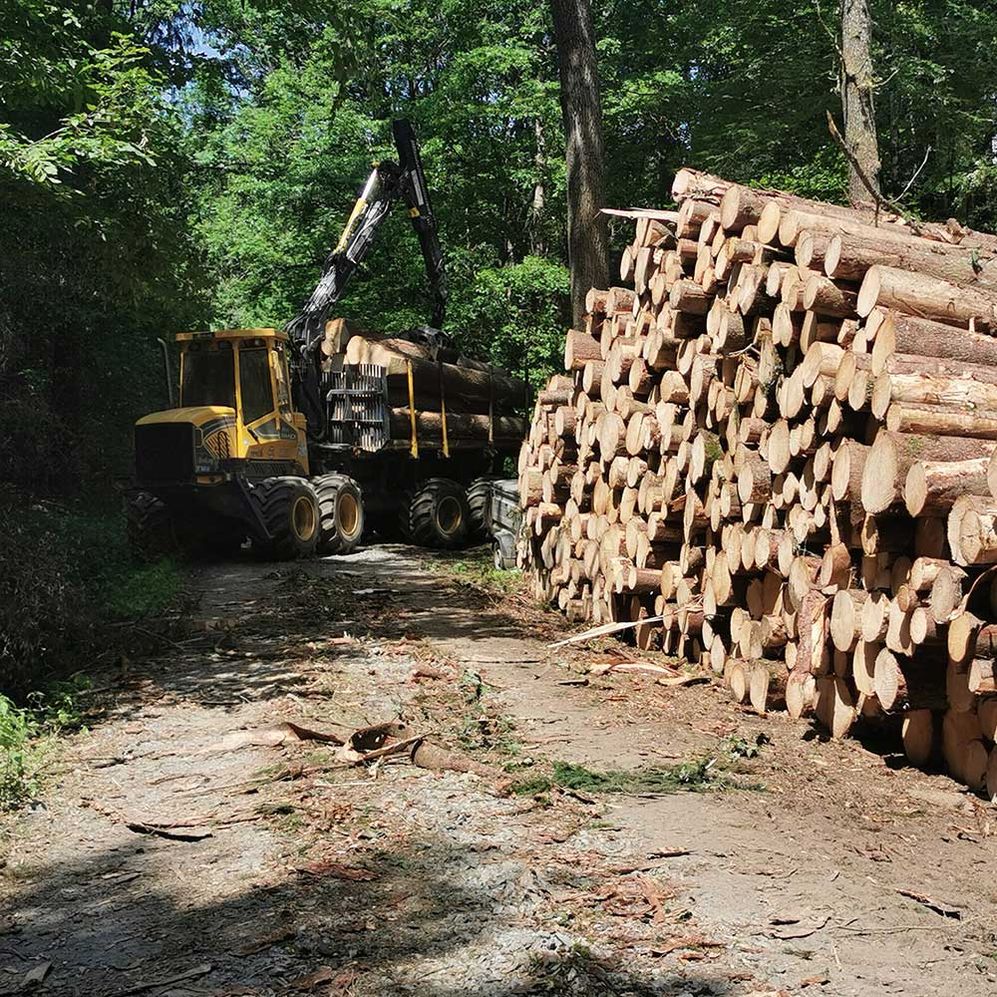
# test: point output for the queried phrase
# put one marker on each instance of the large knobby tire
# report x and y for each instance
(149, 526)
(479, 496)
(438, 515)
(341, 513)
(403, 526)
(289, 507)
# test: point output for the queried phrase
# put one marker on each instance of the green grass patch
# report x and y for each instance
(68, 590)
(695, 776)
(68, 578)
(138, 590)
(475, 568)
(713, 772)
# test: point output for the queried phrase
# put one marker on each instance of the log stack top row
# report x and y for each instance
(774, 451)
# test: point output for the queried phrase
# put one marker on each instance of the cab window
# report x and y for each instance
(254, 383)
(208, 377)
(280, 373)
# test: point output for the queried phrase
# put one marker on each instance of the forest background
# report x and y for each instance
(174, 165)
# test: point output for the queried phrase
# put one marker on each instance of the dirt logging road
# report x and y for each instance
(373, 775)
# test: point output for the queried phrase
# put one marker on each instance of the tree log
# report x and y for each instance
(972, 530)
(926, 297)
(467, 389)
(849, 257)
(932, 487)
(892, 455)
(910, 335)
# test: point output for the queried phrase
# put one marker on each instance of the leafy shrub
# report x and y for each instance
(34, 442)
(64, 577)
(18, 781)
(24, 734)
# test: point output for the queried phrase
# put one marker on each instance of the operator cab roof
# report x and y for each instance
(277, 334)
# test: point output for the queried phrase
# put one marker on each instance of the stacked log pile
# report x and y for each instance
(431, 389)
(775, 451)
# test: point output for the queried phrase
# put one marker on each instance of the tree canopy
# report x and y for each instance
(167, 165)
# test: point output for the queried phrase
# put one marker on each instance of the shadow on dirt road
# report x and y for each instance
(309, 875)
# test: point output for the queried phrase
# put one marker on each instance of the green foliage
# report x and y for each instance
(59, 707)
(144, 589)
(711, 772)
(18, 775)
(475, 569)
(114, 97)
(512, 316)
(68, 576)
(280, 170)
(26, 732)
(96, 255)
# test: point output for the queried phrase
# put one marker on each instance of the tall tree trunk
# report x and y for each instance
(588, 236)
(857, 97)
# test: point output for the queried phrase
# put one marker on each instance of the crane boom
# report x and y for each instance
(388, 182)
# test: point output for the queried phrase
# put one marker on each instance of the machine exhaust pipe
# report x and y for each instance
(167, 371)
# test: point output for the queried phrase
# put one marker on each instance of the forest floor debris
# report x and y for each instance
(552, 844)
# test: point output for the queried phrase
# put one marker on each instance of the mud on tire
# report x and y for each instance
(341, 513)
(438, 515)
(290, 508)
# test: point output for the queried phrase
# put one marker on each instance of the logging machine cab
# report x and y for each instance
(231, 460)
(234, 415)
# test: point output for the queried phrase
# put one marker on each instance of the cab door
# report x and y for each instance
(271, 434)
(285, 406)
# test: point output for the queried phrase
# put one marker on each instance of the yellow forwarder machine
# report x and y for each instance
(262, 444)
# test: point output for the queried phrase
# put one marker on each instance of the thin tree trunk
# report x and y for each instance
(538, 207)
(857, 98)
(588, 239)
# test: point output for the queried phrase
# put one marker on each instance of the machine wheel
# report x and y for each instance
(403, 525)
(150, 527)
(504, 551)
(341, 513)
(290, 509)
(479, 496)
(438, 515)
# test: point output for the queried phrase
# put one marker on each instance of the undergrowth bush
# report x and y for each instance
(66, 577)
(25, 733)
(67, 583)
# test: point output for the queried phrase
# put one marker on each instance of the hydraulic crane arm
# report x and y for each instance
(387, 183)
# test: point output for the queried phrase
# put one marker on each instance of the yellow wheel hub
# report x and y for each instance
(304, 522)
(348, 516)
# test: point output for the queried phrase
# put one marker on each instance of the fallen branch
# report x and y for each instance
(161, 831)
(189, 974)
(874, 191)
(606, 628)
(939, 908)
